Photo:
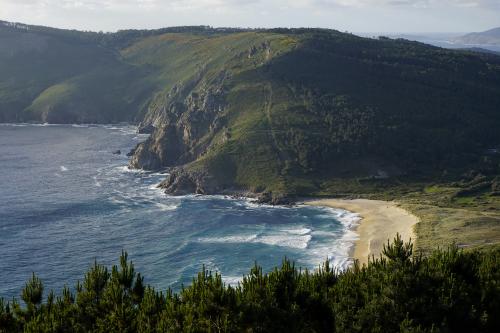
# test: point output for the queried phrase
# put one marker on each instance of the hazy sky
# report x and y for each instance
(345, 15)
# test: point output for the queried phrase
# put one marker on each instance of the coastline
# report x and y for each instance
(380, 221)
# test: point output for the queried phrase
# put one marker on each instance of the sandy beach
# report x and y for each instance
(381, 220)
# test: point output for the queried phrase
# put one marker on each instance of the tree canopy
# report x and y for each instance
(449, 291)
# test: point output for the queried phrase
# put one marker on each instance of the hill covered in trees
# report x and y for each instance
(301, 108)
(449, 291)
(68, 76)
(280, 112)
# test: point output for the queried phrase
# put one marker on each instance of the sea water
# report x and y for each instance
(66, 200)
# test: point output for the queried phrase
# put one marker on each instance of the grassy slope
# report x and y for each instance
(274, 115)
(251, 148)
(58, 78)
(471, 221)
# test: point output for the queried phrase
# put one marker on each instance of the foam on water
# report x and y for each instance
(294, 238)
(96, 182)
(338, 250)
(291, 241)
(229, 239)
(298, 231)
(164, 207)
(126, 169)
(251, 203)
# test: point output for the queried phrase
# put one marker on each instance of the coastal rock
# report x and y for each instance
(117, 152)
(182, 182)
(179, 183)
(276, 199)
(143, 158)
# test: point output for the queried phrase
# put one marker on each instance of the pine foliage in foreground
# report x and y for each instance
(448, 291)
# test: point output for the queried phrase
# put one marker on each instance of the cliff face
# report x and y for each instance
(183, 123)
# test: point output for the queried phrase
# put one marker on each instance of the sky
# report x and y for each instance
(358, 16)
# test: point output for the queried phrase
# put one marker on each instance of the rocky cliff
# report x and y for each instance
(182, 123)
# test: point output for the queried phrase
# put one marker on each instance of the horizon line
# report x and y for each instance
(239, 28)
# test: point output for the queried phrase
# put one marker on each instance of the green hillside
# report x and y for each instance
(66, 76)
(281, 113)
(288, 111)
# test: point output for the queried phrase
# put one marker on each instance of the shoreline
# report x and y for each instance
(380, 221)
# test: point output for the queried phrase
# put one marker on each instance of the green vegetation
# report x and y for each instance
(287, 111)
(298, 111)
(58, 79)
(465, 212)
(448, 291)
(113, 76)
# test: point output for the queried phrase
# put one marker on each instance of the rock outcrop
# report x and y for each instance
(182, 182)
(182, 123)
(275, 199)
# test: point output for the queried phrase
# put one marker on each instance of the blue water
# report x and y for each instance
(66, 200)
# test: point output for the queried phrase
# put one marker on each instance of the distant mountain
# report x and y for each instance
(444, 40)
(490, 37)
(286, 112)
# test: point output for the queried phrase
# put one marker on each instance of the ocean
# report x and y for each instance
(66, 201)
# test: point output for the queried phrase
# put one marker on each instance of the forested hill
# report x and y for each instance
(280, 111)
(68, 76)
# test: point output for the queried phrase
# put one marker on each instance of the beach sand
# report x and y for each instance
(381, 220)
